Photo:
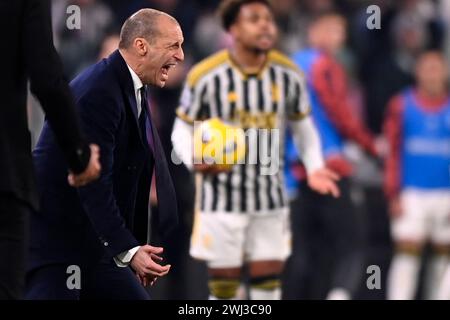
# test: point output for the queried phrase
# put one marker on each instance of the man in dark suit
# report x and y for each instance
(89, 235)
(25, 27)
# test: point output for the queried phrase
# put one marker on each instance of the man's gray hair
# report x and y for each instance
(142, 24)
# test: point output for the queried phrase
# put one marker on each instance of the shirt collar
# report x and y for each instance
(137, 83)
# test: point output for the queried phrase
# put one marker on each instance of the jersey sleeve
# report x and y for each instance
(193, 104)
(298, 103)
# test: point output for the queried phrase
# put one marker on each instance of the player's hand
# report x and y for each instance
(211, 168)
(323, 181)
(395, 208)
(145, 263)
(91, 172)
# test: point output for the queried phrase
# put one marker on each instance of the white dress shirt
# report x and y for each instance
(123, 259)
(137, 83)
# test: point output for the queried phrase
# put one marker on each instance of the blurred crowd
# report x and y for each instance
(379, 63)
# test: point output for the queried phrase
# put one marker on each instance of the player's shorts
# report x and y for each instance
(425, 215)
(228, 240)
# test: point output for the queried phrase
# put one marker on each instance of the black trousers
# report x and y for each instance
(95, 282)
(14, 215)
(329, 239)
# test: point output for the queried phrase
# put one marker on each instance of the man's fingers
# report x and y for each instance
(95, 157)
(91, 172)
(331, 174)
(329, 187)
(150, 249)
(75, 181)
(95, 149)
(156, 257)
(333, 188)
(141, 278)
(157, 274)
(157, 270)
(326, 186)
(71, 179)
(154, 272)
(157, 267)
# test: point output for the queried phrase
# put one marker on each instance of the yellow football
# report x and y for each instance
(219, 143)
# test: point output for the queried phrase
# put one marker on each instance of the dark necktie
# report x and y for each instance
(167, 201)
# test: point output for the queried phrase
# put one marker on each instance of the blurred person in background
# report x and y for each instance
(292, 16)
(109, 45)
(288, 17)
(417, 177)
(387, 55)
(243, 213)
(209, 36)
(444, 11)
(322, 216)
(26, 26)
(79, 48)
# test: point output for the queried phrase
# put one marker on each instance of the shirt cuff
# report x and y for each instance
(123, 259)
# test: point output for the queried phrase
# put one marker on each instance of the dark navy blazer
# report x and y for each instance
(100, 220)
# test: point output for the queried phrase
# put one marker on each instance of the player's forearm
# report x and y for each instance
(307, 141)
(182, 142)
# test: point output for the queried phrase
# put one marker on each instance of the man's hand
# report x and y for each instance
(147, 280)
(91, 172)
(323, 181)
(211, 168)
(145, 264)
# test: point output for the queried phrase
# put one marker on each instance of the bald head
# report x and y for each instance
(142, 24)
(150, 43)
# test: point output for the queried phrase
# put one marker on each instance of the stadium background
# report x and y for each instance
(378, 62)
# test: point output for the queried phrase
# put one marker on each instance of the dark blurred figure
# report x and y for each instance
(25, 25)
(109, 45)
(387, 55)
(322, 221)
(293, 16)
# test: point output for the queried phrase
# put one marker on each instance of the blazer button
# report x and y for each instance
(105, 243)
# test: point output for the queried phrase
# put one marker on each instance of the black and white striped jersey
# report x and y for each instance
(260, 104)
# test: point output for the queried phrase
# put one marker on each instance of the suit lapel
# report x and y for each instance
(126, 83)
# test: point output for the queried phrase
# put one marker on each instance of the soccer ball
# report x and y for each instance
(219, 143)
